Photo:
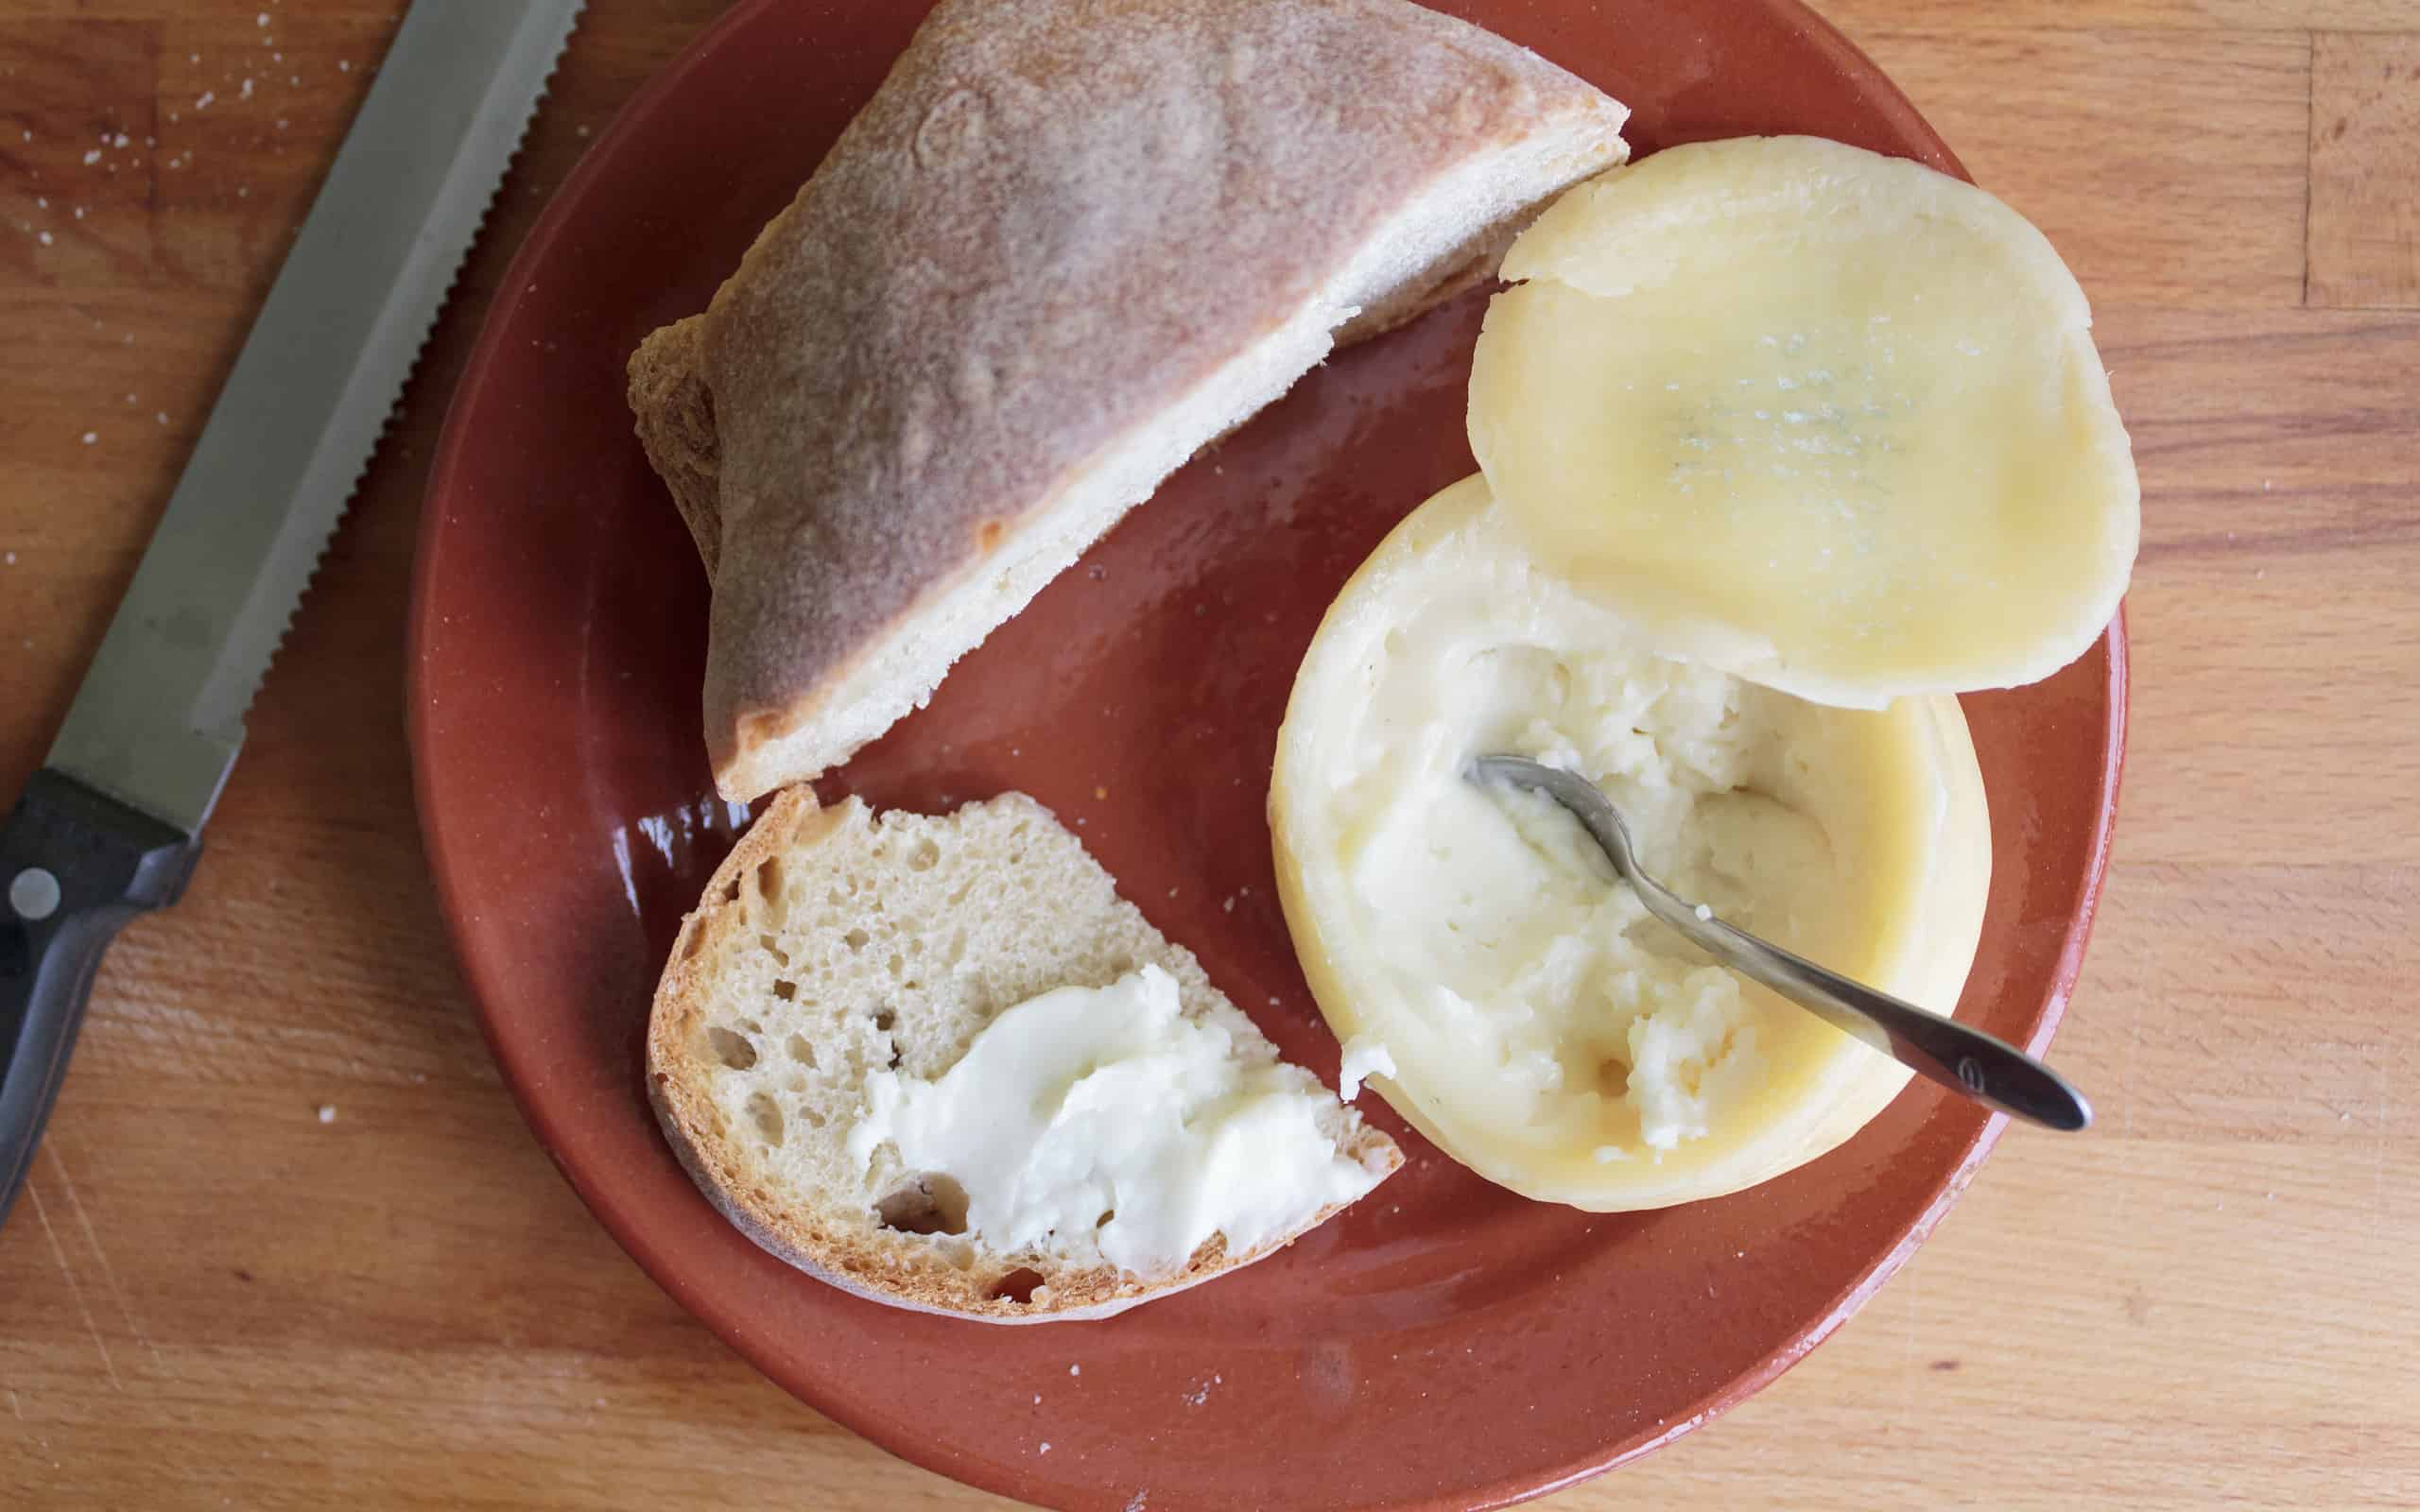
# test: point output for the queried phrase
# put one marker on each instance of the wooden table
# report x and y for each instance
(288, 1240)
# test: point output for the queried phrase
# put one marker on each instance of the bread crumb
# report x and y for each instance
(43, 238)
(1100, 792)
(327, 1112)
(204, 103)
(344, 65)
(92, 156)
(1075, 1370)
(1046, 1446)
(90, 437)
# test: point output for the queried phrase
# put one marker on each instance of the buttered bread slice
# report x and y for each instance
(1066, 244)
(939, 1063)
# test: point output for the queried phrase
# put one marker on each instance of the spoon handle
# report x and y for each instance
(1964, 1060)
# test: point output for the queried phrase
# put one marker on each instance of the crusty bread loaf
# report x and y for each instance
(833, 944)
(1066, 244)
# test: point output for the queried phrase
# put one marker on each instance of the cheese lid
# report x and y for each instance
(1829, 420)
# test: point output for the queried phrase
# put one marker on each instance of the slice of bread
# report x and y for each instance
(1065, 245)
(833, 944)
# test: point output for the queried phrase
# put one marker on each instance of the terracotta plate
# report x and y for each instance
(1444, 1345)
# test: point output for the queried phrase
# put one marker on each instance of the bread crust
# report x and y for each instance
(717, 1161)
(1054, 221)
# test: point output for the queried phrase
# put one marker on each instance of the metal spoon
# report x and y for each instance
(1966, 1061)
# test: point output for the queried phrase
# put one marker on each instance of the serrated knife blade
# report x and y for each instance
(111, 826)
(160, 717)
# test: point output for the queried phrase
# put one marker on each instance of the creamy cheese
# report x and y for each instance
(1364, 1058)
(1103, 1117)
(1537, 1021)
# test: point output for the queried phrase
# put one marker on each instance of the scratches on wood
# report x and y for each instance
(74, 1287)
(100, 1256)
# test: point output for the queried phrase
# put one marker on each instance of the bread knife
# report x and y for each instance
(111, 826)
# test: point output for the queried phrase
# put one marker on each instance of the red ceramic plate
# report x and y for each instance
(1444, 1344)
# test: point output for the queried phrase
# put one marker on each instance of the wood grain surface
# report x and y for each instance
(290, 1242)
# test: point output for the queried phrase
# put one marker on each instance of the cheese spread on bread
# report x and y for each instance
(1104, 1110)
(937, 1061)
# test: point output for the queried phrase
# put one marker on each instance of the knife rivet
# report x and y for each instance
(34, 894)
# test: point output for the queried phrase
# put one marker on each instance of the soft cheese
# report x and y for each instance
(1105, 1111)
(1536, 1021)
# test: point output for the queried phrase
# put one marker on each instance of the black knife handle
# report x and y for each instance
(75, 865)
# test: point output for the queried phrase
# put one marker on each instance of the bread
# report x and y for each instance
(1066, 244)
(833, 944)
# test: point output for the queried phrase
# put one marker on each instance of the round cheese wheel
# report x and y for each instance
(1828, 420)
(1474, 952)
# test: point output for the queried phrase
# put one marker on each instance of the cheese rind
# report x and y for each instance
(1830, 420)
(1539, 1028)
